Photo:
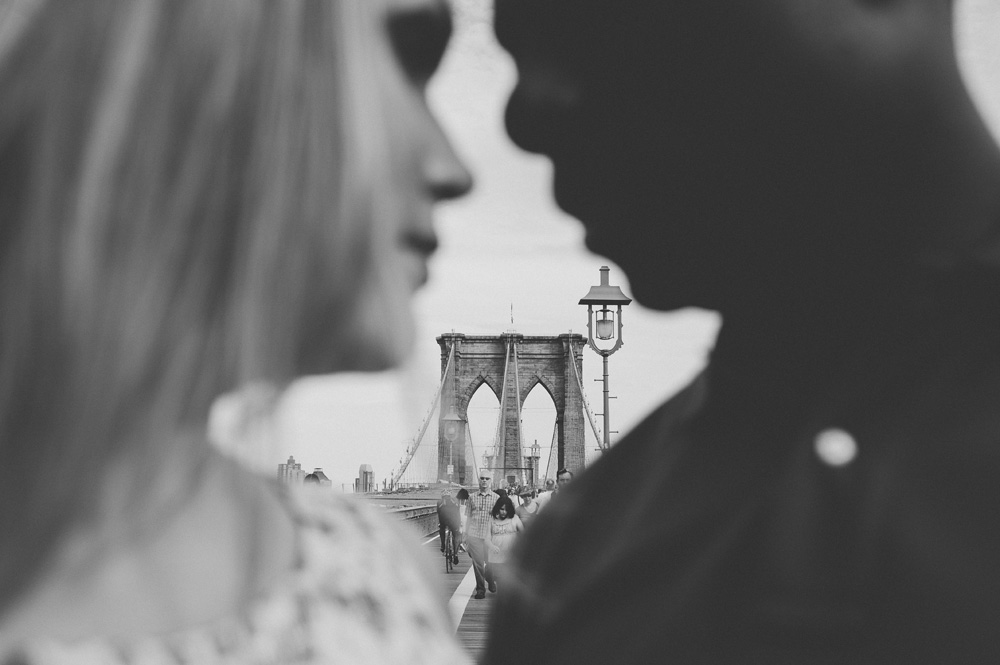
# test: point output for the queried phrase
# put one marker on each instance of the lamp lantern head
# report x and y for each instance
(608, 321)
(452, 422)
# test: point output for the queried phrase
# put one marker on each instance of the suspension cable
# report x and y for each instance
(472, 448)
(553, 452)
(412, 449)
(517, 403)
(497, 434)
(586, 405)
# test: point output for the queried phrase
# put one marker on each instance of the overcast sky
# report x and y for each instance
(507, 247)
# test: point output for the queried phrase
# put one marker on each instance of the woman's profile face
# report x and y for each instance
(400, 164)
(419, 166)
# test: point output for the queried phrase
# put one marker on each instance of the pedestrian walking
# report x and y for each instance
(528, 508)
(504, 527)
(480, 513)
(462, 496)
(449, 518)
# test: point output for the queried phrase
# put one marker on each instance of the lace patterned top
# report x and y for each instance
(355, 595)
(502, 534)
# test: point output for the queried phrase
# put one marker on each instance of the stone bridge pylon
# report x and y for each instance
(511, 365)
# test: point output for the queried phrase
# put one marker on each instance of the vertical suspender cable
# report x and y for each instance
(412, 449)
(553, 453)
(497, 438)
(586, 405)
(517, 402)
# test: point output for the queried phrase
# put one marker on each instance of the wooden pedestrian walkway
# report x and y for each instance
(470, 616)
(473, 629)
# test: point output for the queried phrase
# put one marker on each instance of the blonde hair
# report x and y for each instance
(171, 182)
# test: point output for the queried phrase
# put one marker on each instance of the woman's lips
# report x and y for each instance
(424, 244)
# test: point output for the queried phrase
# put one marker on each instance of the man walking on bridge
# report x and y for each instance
(480, 505)
(563, 478)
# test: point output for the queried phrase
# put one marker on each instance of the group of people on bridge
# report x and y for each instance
(486, 523)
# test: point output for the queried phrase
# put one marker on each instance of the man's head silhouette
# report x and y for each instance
(732, 152)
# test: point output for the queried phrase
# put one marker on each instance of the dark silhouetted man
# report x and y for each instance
(827, 490)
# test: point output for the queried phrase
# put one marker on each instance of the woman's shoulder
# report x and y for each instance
(315, 510)
(367, 575)
(359, 592)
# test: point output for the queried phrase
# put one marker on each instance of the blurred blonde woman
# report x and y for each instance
(195, 195)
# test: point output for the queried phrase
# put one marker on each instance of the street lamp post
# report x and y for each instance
(606, 325)
(452, 422)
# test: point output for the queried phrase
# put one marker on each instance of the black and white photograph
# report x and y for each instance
(499, 331)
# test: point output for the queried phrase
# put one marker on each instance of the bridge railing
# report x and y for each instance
(422, 518)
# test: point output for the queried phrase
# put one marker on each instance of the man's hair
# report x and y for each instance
(561, 472)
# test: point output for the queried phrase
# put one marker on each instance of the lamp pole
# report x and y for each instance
(607, 404)
(606, 325)
(452, 421)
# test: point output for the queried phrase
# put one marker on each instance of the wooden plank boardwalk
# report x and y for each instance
(470, 615)
(473, 630)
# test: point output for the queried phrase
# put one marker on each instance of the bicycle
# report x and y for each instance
(450, 550)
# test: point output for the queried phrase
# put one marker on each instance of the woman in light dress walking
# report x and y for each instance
(504, 527)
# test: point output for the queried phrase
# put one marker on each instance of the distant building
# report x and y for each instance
(365, 482)
(291, 472)
(323, 479)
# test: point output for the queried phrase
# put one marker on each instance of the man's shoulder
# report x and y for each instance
(593, 529)
(624, 463)
(543, 498)
(628, 469)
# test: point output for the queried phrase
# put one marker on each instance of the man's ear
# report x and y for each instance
(879, 37)
(886, 4)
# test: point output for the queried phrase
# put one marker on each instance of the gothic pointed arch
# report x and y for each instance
(512, 365)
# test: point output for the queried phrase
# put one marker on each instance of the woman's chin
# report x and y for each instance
(368, 348)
